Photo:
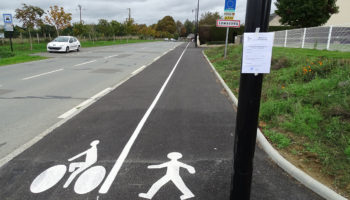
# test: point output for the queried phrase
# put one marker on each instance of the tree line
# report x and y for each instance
(56, 21)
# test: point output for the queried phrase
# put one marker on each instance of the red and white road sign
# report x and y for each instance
(228, 23)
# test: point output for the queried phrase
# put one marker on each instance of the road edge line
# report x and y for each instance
(288, 167)
(27, 145)
(83, 104)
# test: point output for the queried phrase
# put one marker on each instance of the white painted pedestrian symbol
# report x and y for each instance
(172, 174)
(86, 182)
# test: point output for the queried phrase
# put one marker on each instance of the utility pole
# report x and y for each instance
(197, 21)
(129, 19)
(257, 16)
(79, 6)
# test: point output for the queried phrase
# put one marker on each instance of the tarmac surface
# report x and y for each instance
(170, 127)
(36, 95)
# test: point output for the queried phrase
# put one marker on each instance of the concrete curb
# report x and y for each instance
(298, 174)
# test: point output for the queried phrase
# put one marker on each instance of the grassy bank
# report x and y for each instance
(305, 108)
(22, 52)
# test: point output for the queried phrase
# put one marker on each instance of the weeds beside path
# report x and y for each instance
(22, 52)
(305, 108)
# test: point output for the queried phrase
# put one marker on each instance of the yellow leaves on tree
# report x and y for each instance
(58, 18)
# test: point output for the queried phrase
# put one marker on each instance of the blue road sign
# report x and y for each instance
(7, 18)
(230, 5)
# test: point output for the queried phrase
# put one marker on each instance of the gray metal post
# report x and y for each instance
(285, 39)
(227, 32)
(197, 26)
(303, 43)
(329, 37)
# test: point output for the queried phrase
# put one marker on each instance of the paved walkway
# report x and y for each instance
(167, 133)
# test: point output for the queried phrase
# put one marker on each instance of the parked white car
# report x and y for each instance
(64, 44)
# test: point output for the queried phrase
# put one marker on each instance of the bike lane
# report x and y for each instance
(110, 121)
(185, 148)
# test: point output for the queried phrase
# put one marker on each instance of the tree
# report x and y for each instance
(131, 28)
(167, 24)
(117, 28)
(59, 18)
(189, 26)
(209, 18)
(47, 30)
(30, 16)
(179, 26)
(79, 29)
(305, 13)
(91, 28)
(104, 27)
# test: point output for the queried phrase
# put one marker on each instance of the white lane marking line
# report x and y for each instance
(46, 73)
(88, 101)
(156, 58)
(110, 56)
(0, 85)
(138, 70)
(85, 63)
(114, 172)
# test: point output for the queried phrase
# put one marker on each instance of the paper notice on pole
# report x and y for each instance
(257, 53)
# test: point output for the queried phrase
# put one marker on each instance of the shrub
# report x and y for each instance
(279, 139)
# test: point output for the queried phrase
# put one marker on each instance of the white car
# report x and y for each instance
(64, 44)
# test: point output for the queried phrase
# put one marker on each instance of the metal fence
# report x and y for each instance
(334, 38)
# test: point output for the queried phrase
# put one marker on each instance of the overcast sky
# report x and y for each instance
(143, 11)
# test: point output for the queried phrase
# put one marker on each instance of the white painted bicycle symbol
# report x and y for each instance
(89, 179)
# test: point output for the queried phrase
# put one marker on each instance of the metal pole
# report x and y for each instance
(197, 26)
(286, 38)
(79, 6)
(227, 31)
(329, 37)
(303, 43)
(10, 33)
(11, 42)
(258, 12)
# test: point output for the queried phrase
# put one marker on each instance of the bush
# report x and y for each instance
(6, 54)
(304, 121)
(279, 139)
(347, 151)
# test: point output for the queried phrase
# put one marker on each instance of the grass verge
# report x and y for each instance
(22, 52)
(305, 108)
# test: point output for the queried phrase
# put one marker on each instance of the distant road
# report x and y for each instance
(36, 95)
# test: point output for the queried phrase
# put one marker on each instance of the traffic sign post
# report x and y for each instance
(229, 15)
(228, 24)
(2, 34)
(7, 18)
(257, 16)
(8, 26)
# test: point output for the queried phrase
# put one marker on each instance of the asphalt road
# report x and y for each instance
(170, 127)
(34, 95)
